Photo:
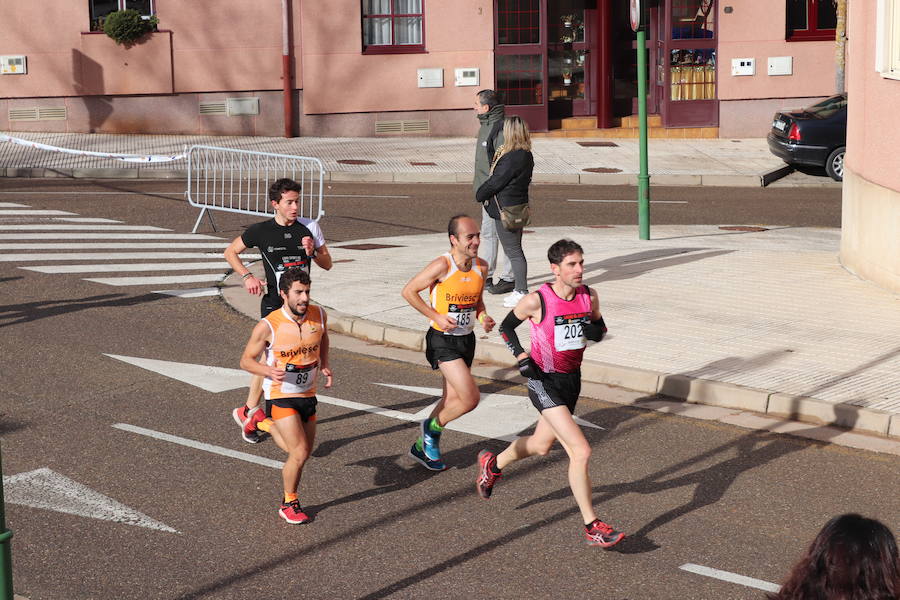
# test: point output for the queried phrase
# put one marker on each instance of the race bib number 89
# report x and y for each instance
(568, 332)
(299, 378)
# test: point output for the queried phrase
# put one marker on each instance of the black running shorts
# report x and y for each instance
(555, 389)
(444, 348)
(268, 304)
(305, 407)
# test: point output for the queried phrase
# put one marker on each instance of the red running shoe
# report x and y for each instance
(293, 513)
(600, 534)
(487, 461)
(247, 420)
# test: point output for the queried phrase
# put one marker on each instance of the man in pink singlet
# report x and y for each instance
(563, 316)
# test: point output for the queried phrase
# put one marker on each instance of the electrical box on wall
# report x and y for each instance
(431, 78)
(241, 106)
(781, 65)
(743, 66)
(13, 65)
(467, 76)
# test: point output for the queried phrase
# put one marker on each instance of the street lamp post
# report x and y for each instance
(638, 24)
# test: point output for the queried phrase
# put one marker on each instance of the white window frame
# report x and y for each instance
(887, 39)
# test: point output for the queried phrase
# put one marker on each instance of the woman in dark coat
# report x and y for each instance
(508, 183)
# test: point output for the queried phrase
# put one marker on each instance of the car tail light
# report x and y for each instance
(794, 133)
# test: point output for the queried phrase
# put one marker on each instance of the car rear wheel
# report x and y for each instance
(834, 166)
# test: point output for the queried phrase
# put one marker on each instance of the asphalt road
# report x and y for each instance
(686, 491)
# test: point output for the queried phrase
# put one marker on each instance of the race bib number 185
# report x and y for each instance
(465, 318)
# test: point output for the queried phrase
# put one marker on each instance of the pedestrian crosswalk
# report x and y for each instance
(64, 243)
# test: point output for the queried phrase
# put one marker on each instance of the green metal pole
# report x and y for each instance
(6, 584)
(644, 175)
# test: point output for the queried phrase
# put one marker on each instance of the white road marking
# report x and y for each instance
(126, 267)
(84, 220)
(122, 281)
(498, 416)
(252, 458)
(211, 379)
(61, 227)
(78, 193)
(115, 246)
(46, 489)
(12, 204)
(58, 256)
(106, 236)
(193, 293)
(33, 213)
(758, 584)
(360, 196)
(174, 439)
(627, 201)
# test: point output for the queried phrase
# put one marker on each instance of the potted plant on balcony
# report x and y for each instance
(567, 77)
(128, 26)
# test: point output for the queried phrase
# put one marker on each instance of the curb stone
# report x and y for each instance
(617, 179)
(674, 386)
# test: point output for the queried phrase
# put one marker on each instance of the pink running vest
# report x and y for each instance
(557, 342)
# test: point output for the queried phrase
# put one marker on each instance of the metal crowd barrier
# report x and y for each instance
(238, 181)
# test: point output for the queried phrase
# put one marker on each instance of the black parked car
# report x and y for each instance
(816, 135)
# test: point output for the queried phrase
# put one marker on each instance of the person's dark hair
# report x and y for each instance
(291, 275)
(852, 558)
(488, 97)
(281, 186)
(453, 224)
(561, 249)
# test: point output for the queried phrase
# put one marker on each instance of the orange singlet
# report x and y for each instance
(456, 294)
(294, 348)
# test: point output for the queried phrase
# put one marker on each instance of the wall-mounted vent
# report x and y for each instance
(212, 108)
(402, 126)
(38, 113)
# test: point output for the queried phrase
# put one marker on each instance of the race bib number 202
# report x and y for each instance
(568, 332)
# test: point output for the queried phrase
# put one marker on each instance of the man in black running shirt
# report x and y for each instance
(284, 241)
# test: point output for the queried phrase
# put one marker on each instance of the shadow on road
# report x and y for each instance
(15, 314)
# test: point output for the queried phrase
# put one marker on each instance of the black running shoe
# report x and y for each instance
(502, 287)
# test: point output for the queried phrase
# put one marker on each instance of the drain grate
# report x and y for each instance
(598, 144)
(602, 170)
(423, 164)
(367, 246)
(355, 161)
(743, 228)
(602, 226)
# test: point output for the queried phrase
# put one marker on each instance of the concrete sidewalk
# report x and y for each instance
(714, 162)
(767, 322)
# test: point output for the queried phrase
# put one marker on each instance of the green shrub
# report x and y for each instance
(126, 26)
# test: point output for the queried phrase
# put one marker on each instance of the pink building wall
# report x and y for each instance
(873, 118)
(870, 212)
(339, 78)
(202, 46)
(757, 30)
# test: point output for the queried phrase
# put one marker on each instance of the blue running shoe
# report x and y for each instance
(430, 442)
(419, 456)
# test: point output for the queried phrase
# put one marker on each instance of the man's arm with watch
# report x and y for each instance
(232, 255)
